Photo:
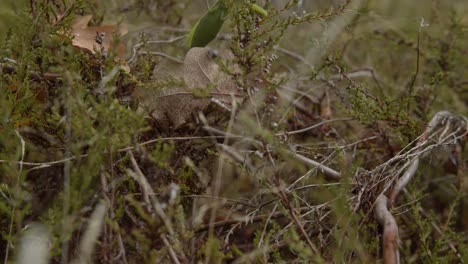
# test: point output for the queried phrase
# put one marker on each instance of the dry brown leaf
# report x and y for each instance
(172, 107)
(85, 37)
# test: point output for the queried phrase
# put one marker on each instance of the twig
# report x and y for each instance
(146, 188)
(40, 165)
(66, 223)
(285, 133)
(257, 218)
(416, 72)
(326, 170)
(220, 198)
(122, 254)
(65, 14)
(16, 196)
(293, 54)
(218, 177)
(391, 254)
(229, 135)
(265, 226)
(137, 46)
(332, 174)
(168, 245)
(122, 247)
(292, 213)
(245, 161)
(161, 54)
(315, 185)
(305, 146)
(401, 183)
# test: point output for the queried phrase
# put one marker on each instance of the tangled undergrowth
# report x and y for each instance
(314, 132)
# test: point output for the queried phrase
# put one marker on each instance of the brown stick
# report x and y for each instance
(391, 254)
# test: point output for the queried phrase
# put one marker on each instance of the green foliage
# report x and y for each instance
(161, 154)
(213, 253)
(298, 246)
(208, 26)
(206, 29)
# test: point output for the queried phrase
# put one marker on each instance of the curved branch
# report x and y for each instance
(391, 254)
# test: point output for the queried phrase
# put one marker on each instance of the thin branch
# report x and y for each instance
(161, 54)
(285, 133)
(139, 45)
(220, 198)
(168, 245)
(330, 173)
(245, 220)
(292, 214)
(16, 196)
(40, 165)
(146, 188)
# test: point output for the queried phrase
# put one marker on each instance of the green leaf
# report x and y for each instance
(208, 26)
